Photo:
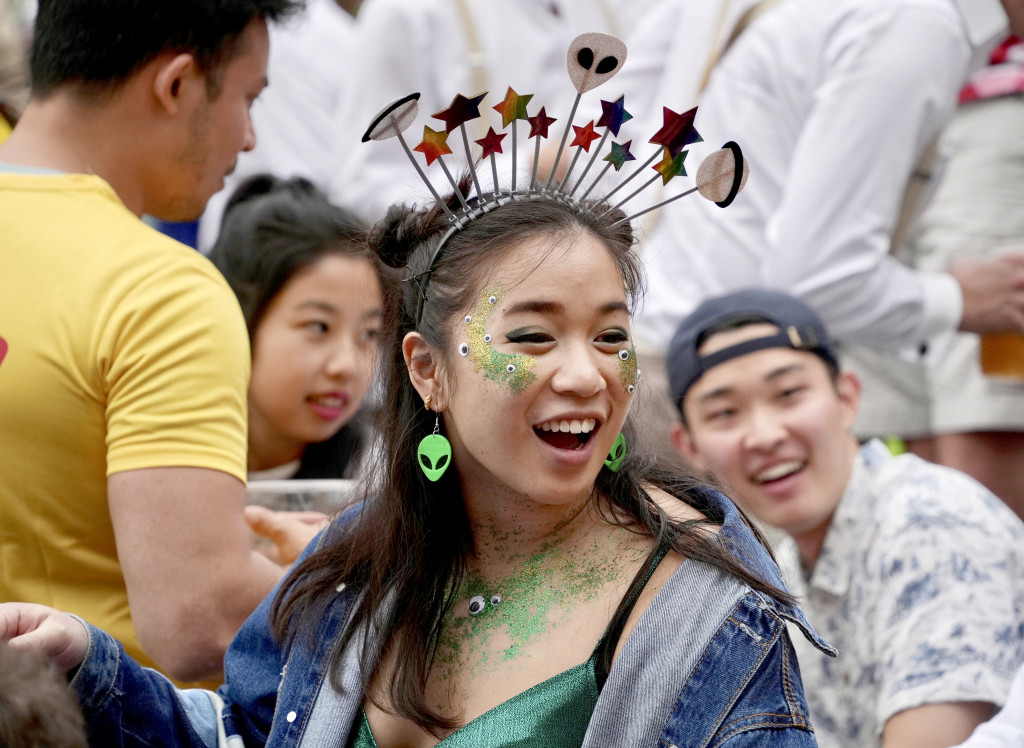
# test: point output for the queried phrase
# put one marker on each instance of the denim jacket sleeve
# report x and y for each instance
(125, 704)
(763, 703)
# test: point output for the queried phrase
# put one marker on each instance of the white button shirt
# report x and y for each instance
(920, 586)
(422, 46)
(833, 102)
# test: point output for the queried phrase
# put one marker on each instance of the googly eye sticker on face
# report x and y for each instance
(514, 370)
(628, 373)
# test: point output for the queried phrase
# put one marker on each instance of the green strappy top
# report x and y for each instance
(553, 713)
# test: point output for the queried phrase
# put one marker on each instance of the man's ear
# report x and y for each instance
(424, 366)
(683, 443)
(848, 389)
(173, 76)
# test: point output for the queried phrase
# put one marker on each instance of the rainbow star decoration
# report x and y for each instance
(614, 115)
(671, 166)
(677, 132)
(539, 125)
(513, 107)
(491, 144)
(460, 111)
(619, 155)
(585, 137)
(434, 144)
(538, 129)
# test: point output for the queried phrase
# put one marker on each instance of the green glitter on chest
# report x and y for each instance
(628, 370)
(546, 591)
(512, 369)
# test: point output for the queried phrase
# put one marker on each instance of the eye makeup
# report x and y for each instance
(515, 370)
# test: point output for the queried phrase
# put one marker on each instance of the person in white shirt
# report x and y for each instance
(435, 47)
(835, 103)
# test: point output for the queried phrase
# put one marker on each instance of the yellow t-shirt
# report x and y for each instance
(124, 350)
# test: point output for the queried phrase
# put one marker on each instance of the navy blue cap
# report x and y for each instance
(799, 329)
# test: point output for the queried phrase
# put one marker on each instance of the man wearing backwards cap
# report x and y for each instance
(914, 572)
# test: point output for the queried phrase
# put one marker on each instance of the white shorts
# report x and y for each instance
(978, 210)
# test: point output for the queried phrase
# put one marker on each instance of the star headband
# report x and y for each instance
(592, 59)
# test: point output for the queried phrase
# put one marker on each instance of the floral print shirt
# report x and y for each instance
(920, 586)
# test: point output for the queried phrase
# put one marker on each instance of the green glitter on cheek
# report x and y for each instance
(512, 369)
(627, 369)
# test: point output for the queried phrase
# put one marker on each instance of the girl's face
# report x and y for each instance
(313, 356)
(543, 371)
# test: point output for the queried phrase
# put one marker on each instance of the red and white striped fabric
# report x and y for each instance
(1004, 75)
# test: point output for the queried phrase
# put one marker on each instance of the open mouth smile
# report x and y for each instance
(569, 434)
(778, 471)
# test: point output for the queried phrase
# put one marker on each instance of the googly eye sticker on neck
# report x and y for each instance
(515, 370)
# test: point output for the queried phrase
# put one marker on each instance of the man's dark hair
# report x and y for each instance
(99, 44)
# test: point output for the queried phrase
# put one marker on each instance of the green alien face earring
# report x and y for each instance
(434, 451)
(617, 455)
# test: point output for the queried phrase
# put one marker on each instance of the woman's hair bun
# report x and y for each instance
(396, 235)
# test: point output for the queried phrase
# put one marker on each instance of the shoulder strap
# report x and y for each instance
(606, 647)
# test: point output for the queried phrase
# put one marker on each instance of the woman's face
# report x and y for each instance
(543, 370)
(313, 355)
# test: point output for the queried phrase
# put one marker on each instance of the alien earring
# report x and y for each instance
(434, 452)
(614, 460)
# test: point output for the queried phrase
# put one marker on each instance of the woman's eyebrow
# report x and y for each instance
(315, 304)
(553, 307)
(536, 306)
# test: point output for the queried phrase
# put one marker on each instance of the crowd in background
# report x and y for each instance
(886, 155)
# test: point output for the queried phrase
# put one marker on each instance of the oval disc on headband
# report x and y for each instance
(395, 118)
(718, 178)
(594, 58)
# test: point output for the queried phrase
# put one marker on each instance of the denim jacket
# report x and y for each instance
(739, 686)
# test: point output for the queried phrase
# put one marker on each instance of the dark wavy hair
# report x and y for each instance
(99, 44)
(272, 229)
(407, 548)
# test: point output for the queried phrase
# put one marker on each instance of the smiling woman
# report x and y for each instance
(521, 581)
(533, 571)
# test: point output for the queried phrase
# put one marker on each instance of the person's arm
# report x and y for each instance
(935, 725)
(176, 367)
(124, 704)
(187, 558)
(1006, 729)
(945, 570)
(887, 83)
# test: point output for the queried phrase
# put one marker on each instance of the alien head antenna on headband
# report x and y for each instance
(592, 60)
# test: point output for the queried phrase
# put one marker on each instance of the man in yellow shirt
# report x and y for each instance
(124, 360)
